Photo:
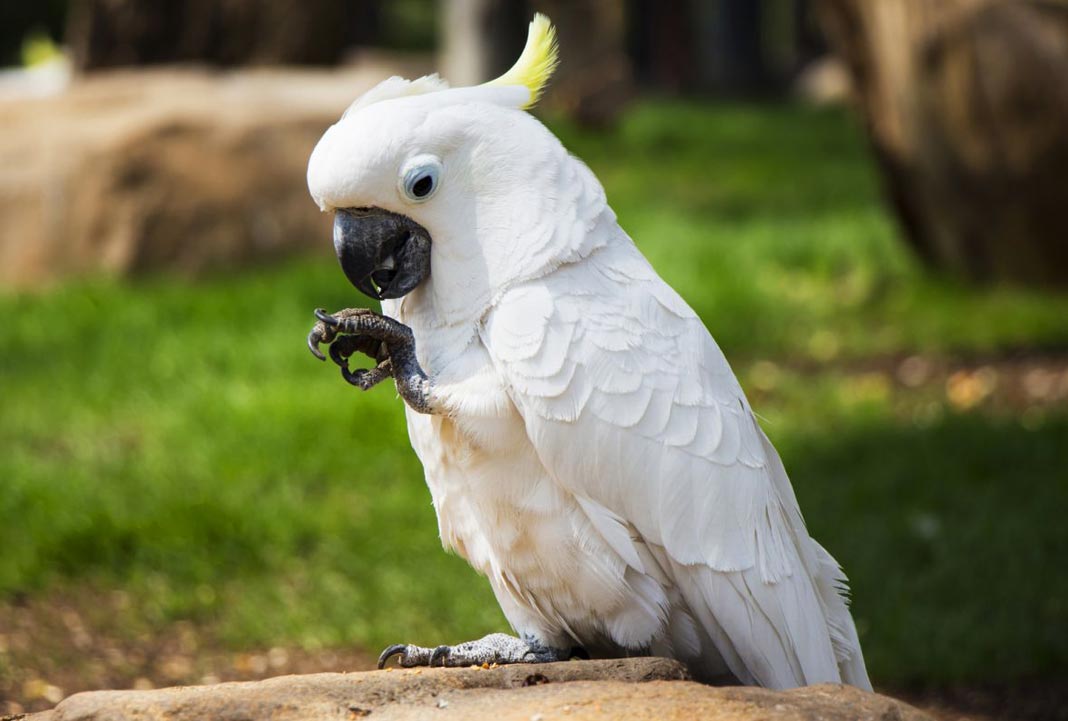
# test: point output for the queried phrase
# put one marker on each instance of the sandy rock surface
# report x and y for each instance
(641, 688)
(177, 169)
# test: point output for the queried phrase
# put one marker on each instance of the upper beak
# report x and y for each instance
(383, 254)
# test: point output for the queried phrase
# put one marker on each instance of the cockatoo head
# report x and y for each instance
(432, 187)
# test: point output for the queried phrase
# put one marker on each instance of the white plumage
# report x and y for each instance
(590, 450)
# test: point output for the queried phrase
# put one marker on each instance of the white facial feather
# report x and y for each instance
(512, 203)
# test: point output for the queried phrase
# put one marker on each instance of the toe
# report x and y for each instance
(338, 355)
(325, 317)
(397, 649)
(355, 377)
(441, 653)
(314, 338)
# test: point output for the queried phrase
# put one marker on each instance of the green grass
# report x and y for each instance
(176, 440)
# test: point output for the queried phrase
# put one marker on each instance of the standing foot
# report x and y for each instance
(499, 648)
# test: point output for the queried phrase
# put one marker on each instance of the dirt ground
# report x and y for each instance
(51, 648)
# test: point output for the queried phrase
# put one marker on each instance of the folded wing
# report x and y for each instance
(633, 408)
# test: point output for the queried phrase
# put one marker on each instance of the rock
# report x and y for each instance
(638, 688)
(178, 169)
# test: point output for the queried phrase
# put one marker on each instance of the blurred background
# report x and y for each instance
(867, 203)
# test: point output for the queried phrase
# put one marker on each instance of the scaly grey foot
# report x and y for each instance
(499, 648)
(389, 342)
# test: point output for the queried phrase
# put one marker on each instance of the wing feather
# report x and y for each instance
(633, 408)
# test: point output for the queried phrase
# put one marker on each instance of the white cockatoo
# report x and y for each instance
(586, 445)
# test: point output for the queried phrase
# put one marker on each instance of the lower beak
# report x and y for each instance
(383, 254)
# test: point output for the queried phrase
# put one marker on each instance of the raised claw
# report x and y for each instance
(326, 318)
(313, 344)
(367, 378)
(388, 341)
(397, 649)
(339, 353)
(344, 347)
(327, 329)
(320, 333)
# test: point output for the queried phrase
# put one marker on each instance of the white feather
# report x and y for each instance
(591, 451)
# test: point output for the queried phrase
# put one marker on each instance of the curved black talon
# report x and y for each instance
(368, 378)
(441, 653)
(319, 335)
(339, 353)
(396, 649)
(356, 377)
(346, 346)
(325, 317)
(313, 345)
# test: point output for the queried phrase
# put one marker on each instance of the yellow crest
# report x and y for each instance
(537, 62)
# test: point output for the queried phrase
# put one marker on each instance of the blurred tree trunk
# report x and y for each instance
(111, 33)
(711, 46)
(663, 44)
(480, 39)
(594, 82)
(809, 40)
(966, 105)
(736, 41)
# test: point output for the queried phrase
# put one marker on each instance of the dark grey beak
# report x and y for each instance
(383, 254)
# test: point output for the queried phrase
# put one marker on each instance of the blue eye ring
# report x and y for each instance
(421, 178)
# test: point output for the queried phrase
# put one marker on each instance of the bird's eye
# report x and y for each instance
(421, 178)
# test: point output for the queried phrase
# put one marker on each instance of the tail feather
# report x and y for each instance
(830, 581)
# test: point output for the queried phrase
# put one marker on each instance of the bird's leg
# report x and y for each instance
(388, 341)
(499, 648)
